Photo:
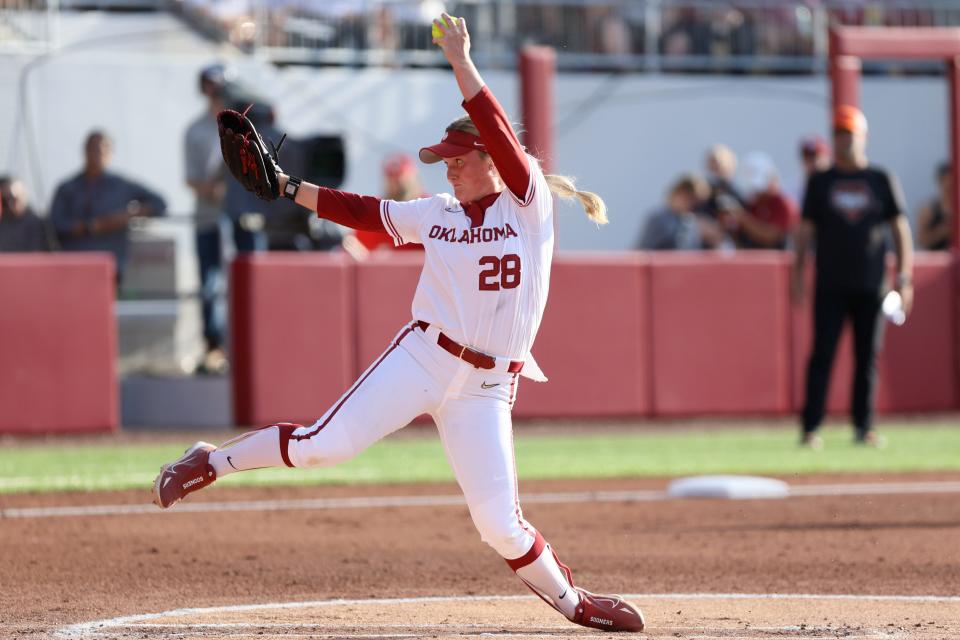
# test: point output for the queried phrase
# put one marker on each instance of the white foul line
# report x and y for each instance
(96, 628)
(572, 497)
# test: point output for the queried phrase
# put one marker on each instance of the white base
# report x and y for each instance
(729, 487)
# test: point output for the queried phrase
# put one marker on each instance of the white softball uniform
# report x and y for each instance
(484, 287)
(476, 312)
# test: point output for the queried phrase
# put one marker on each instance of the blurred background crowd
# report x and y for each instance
(695, 35)
(722, 201)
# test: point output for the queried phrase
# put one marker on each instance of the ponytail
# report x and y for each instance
(560, 185)
(592, 203)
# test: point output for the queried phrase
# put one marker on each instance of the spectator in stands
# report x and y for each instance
(401, 182)
(206, 177)
(92, 211)
(735, 31)
(413, 22)
(686, 33)
(607, 30)
(934, 220)
(770, 215)
(721, 167)
(21, 229)
(814, 157)
(677, 225)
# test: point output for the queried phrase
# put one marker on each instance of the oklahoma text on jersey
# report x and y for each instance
(471, 236)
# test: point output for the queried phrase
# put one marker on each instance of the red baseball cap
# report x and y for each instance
(454, 143)
(397, 165)
(849, 118)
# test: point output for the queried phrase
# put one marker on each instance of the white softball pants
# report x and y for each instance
(471, 408)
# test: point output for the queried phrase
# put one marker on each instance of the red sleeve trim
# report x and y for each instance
(531, 192)
(390, 226)
(501, 142)
(349, 209)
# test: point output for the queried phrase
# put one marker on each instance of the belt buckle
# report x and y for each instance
(463, 349)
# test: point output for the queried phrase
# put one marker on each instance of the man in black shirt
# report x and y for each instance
(848, 209)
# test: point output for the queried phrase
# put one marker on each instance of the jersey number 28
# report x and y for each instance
(500, 273)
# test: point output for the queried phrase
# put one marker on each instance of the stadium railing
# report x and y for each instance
(750, 36)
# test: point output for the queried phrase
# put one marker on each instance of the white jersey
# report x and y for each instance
(484, 287)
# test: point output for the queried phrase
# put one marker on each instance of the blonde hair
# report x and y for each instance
(563, 186)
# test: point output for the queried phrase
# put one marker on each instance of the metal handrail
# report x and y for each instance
(746, 36)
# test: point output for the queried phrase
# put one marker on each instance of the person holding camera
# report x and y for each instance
(206, 178)
(769, 215)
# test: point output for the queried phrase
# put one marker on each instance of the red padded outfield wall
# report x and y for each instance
(720, 330)
(58, 344)
(384, 293)
(917, 367)
(627, 334)
(594, 341)
(292, 335)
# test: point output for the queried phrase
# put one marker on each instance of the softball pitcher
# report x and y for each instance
(478, 305)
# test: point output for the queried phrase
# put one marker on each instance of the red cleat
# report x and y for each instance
(183, 476)
(608, 613)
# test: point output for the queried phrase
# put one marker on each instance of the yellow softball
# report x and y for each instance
(435, 30)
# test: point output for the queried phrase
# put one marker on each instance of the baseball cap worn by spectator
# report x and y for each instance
(398, 165)
(759, 172)
(454, 143)
(215, 74)
(848, 118)
(814, 146)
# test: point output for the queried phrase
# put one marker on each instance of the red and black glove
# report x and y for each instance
(251, 162)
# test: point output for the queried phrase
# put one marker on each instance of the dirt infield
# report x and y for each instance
(62, 571)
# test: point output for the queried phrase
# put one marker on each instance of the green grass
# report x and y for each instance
(914, 447)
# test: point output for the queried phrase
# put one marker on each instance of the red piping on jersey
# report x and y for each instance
(356, 385)
(391, 227)
(502, 144)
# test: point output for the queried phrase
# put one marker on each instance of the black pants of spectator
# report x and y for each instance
(212, 274)
(830, 311)
(210, 260)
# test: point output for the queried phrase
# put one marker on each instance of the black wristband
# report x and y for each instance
(292, 187)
